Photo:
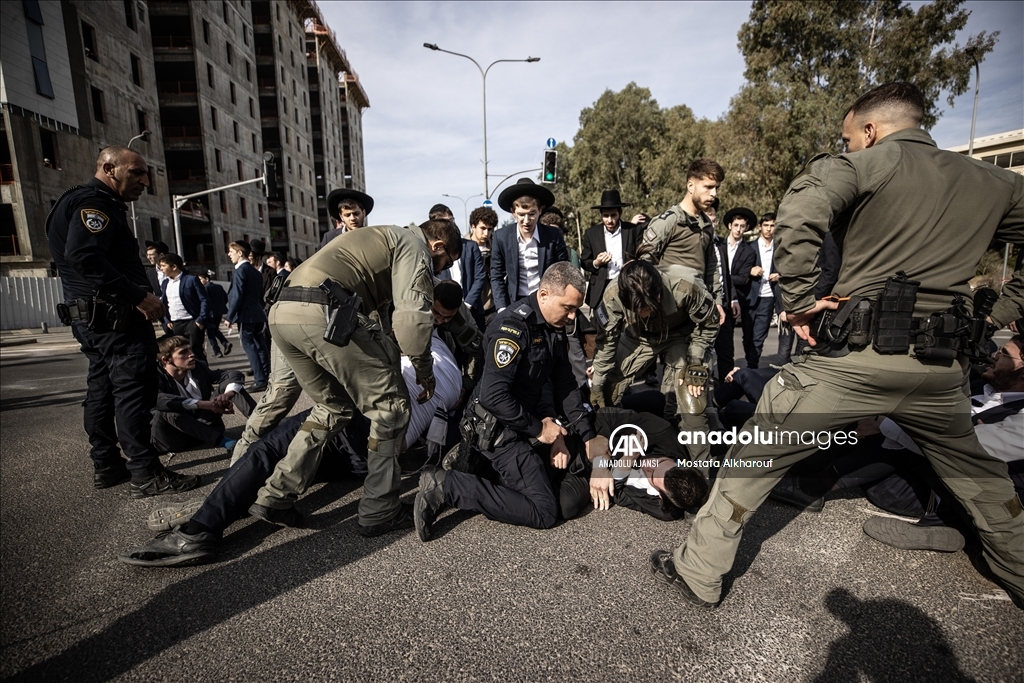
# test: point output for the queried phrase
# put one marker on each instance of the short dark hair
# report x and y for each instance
(242, 247)
(766, 217)
(446, 231)
(293, 262)
(165, 346)
(439, 211)
(172, 260)
(560, 275)
(485, 215)
(553, 219)
(274, 254)
(684, 489)
(705, 168)
(351, 205)
(903, 100)
(640, 287)
(448, 293)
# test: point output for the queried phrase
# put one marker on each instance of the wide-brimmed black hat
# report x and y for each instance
(555, 210)
(161, 246)
(259, 247)
(610, 200)
(525, 187)
(334, 198)
(741, 212)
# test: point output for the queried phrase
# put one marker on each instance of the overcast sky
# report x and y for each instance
(423, 130)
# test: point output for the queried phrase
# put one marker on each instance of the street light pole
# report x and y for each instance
(144, 135)
(483, 75)
(465, 211)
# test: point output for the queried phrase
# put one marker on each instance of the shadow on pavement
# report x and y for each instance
(889, 640)
(210, 596)
(57, 398)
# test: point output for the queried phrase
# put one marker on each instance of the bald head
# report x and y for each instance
(881, 112)
(123, 171)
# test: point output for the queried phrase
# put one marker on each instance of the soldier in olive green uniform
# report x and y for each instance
(381, 265)
(895, 203)
(683, 235)
(631, 336)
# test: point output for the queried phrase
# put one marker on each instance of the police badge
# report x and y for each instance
(505, 351)
(94, 220)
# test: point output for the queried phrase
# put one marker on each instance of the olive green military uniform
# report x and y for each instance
(382, 265)
(900, 205)
(277, 401)
(677, 238)
(625, 348)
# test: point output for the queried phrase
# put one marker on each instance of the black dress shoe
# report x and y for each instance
(664, 570)
(111, 475)
(289, 517)
(173, 549)
(429, 501)
(788, 491)
(227, 348)
(161, 483)
(402, 520)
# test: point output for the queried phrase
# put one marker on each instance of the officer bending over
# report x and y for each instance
(109, 303)
(512, 422)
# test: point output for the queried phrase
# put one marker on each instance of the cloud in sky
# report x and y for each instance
(423, 131)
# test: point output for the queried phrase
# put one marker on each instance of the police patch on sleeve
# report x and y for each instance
(602, 314)
(511, 330)
(704, 308)
(93, 220)
(505, 351)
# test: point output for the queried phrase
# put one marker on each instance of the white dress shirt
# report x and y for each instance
(529, 263)
(1001, 440)
(767, 252)
(613, 245)
(175, 309)
(192, 395)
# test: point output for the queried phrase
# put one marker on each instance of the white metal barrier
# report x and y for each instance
(27, 302)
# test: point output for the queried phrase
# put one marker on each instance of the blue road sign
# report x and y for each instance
(551, 143)
(488, 204)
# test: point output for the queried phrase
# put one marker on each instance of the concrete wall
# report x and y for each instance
(26, 302)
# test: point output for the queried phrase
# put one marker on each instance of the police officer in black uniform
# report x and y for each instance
(511, 417)
(109, 303)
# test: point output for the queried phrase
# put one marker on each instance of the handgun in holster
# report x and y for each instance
(270, 298)
(850, 324)
(344, 313)
(480, 428)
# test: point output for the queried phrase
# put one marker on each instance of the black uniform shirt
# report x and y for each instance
(94, 248)
(521, 353)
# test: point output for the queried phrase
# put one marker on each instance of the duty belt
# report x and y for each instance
(307, 295)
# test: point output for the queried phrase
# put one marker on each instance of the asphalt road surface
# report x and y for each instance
(810, 598)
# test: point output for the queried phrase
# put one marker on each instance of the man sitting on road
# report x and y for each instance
(188, 413)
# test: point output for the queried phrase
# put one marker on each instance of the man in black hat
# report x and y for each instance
(735, 258)
(257, 257)
(349, 209)
(519, 257)
(607, 245)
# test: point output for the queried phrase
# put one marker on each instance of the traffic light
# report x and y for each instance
(269, 176)
(550, 166)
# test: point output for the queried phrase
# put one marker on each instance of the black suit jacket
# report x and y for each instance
(170, 400)
(753, 286)
(505, 260)
(743, 260)
(594, 244)
(728, 289)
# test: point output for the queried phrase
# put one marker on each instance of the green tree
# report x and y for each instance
(808, 60)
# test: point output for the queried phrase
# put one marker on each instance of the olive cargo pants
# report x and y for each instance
(825, 395)
(282, 394)
(366, 374)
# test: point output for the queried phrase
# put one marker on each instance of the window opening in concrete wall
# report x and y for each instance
(97, 104)
(129, 13)
(136, 69)
(48, 146)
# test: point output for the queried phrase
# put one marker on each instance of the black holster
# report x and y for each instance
(344, 313)
(481, 429)
(893, 325)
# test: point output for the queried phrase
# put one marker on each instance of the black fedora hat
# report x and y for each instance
(741, 212)
(610, 200)
(160, 246)
(334, 198)
(259, 247)
(525, 187)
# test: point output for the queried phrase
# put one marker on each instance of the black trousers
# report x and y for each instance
(724, 347)
(533, 493)
(756, 321)
(196, 337)
(121, 395)
(174, 432)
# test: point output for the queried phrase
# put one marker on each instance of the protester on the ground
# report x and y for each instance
(192, 398)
